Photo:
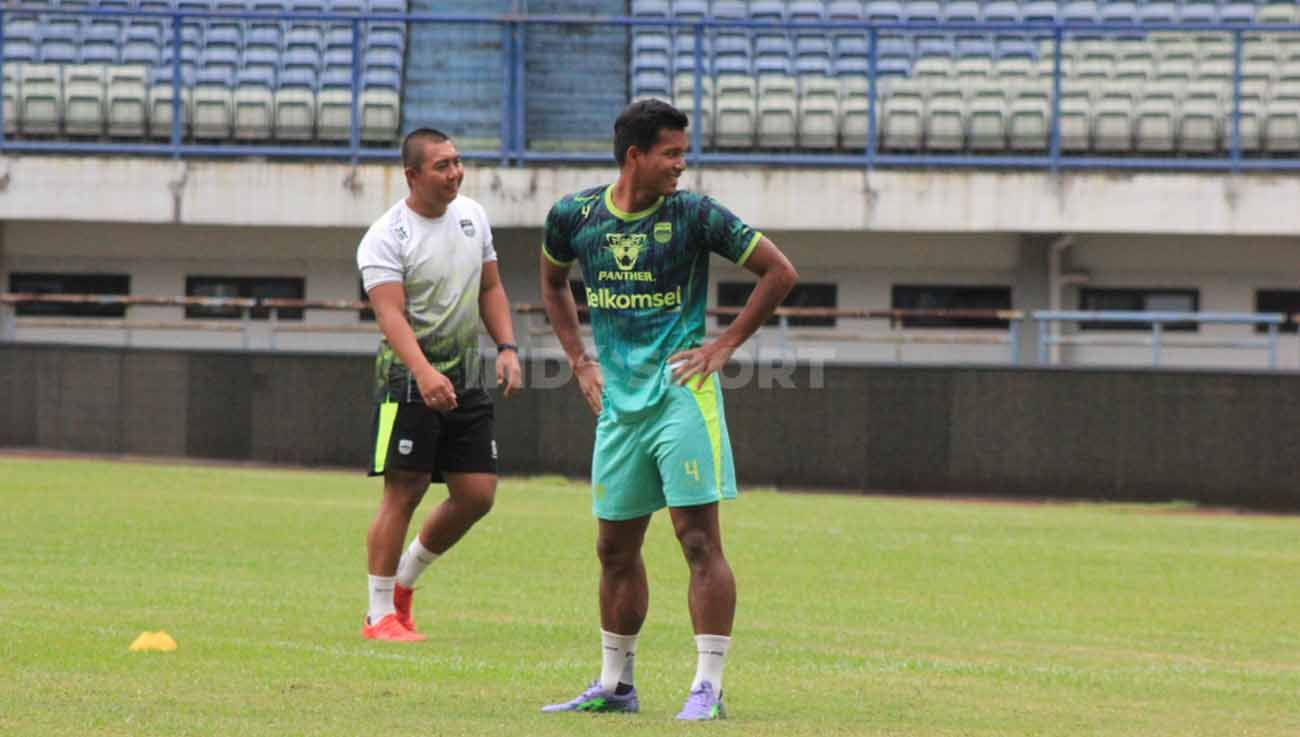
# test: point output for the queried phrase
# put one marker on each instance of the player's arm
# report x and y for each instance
(562, 311)
(388, 300)
(776, 277)
(494, 308)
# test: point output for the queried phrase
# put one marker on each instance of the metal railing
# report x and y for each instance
(1158, 322)
(781, 341)
(514, 125)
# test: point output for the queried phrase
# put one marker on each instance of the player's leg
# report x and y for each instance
(466, 459)
(405, 440)
(403, 491)
(712, 599)
(626, 490)
(694, 456)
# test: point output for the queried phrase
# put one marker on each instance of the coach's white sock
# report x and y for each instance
(413, 562)
(618, 653)
(381, 598)
(712, 655)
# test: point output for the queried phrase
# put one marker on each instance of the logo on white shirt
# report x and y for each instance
(468, 227)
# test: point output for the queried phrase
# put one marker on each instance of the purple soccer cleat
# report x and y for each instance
(596, 699)
(703, 704)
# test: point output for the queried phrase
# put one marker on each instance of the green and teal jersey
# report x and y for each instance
(647, 278)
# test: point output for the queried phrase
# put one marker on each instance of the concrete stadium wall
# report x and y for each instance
(1219, 438)
(327, 194)
(863, 265)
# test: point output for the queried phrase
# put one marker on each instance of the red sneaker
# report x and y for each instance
(402, 602)
(389, 628)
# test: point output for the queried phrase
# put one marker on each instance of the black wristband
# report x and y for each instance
(503, 347)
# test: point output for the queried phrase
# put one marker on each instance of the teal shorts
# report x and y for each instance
(678, 456)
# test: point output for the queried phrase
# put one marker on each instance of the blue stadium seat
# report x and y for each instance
(22, 28)
(767, 10)
(20, 50)
(1011, 47)
(965, 11)
(1159, 11)
(732, 64)
(382, 79)
(264, 34)
(383, 58)
(255, 77)
(220, 56)
(1002, 11)
(301, 55)
(303, 35)
(973, 45)
(652, 83)
(1080, 11)
(336, 79)
(845, 10)
(298, 76)
(224, 32)
(108, 30)
(728, 10)
(772, 64)
(98, 52)
(1119, 11)
(884, 11)
(690, 9)
(1040, 11)
(651, 9)
(337, 57)
(1237, 12)
(385, 37)
(806, 11)
(347, 6)
(932, 46)
(1198, 13)
(58, 51)
(396, 7)
(307, 7)
(922, 11)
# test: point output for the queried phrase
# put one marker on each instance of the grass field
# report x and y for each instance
(858, 615)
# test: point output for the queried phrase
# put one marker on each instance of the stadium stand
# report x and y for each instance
(84, 77)
(1128, 92)
(291, 82)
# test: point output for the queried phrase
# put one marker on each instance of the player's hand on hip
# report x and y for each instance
(436, 390)
(509, 375)
(702, 362)
(591, 382)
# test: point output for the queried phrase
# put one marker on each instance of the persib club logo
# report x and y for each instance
(468, 227)
(626, 248)
(663, 232)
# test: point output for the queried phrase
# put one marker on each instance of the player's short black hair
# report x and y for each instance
(413, 145)
(639, 125)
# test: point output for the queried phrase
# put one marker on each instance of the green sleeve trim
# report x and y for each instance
(753, 243)
(554, 260)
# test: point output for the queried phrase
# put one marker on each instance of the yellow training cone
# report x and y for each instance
(160, 641)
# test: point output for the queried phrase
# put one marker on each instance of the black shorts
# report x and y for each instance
(411, 437)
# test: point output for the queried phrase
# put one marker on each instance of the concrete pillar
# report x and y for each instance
(1031, 290)
(8, 324)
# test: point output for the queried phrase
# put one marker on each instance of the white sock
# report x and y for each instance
(413, 562)
(712, 653)
(381, 598)
(618, 652)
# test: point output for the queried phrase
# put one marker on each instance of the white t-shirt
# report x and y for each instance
(439, 262)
